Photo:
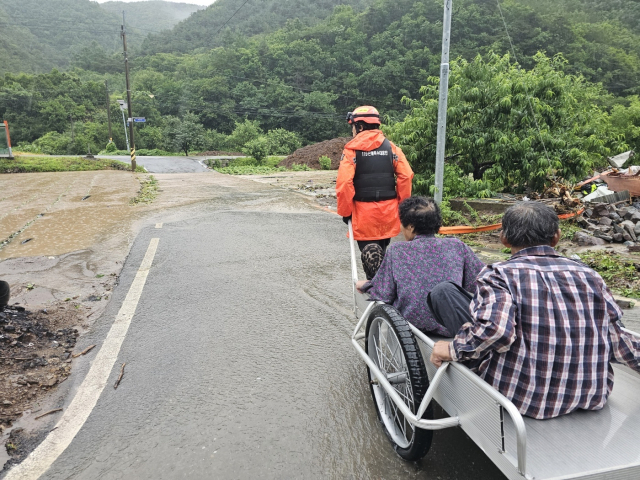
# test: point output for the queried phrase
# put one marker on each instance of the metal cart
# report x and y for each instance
(602, 444)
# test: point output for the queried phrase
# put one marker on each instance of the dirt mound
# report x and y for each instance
(216, 153)
(35, 355)
(310, 154)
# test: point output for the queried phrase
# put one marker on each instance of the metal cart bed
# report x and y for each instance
(602, 444)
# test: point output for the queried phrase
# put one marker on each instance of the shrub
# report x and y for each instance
(258, 149)
(283, 142)
(325, 162)
(111, 147)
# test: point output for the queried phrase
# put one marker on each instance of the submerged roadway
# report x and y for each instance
(234, 326)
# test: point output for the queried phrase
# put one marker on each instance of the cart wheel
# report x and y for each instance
(393, 348)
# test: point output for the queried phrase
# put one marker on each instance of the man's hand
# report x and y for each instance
(440, 354)
(346, 219)
(360, 284)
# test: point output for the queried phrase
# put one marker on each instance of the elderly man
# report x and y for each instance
(542, 329)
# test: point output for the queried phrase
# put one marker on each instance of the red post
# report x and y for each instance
(6, 125)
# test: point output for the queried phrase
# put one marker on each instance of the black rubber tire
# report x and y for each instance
(5, 293)
(421, 442)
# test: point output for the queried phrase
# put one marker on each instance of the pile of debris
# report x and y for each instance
(605, 223)
(311, 154)
(35, 355)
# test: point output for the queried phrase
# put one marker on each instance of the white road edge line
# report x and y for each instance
(158, 225)
(87, 395)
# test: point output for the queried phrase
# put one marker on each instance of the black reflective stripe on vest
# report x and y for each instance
(375, 178)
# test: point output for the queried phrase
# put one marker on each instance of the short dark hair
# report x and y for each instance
(362, 126)
(528, 224)
(421, 212)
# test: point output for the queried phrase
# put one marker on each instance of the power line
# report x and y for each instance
(234, 14)
(533, 113)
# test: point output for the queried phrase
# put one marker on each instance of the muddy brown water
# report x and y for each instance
(48, 208)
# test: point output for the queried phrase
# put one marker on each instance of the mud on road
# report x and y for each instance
(64, 238)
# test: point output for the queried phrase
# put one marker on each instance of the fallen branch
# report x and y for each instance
(47, 413)
(16, 358)
(86, 350)
(119, 377)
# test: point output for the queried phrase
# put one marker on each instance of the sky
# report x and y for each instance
(194, 2)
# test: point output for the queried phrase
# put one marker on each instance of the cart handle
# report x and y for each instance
(415, 419)
(412, 418)
(352, 244)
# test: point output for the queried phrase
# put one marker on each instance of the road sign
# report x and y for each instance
(139, 119)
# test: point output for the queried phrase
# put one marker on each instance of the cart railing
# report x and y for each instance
(435, 382)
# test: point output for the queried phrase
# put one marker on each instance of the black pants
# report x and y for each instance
(449, 304)
(4, 293)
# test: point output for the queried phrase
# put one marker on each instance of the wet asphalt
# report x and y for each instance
(168, 164)
(239, 363)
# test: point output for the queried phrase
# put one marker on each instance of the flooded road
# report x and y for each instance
(167, 164)
(238, 360)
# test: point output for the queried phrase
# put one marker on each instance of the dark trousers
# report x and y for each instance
(449, 304)
(4, 293)
(384, 243)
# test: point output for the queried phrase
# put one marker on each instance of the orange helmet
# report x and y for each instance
(366, 114)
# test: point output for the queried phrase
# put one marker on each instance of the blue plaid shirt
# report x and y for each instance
(545, 332)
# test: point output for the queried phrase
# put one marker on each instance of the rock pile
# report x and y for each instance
(604, 223)
(35, 355)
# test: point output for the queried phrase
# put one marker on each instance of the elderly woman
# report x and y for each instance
(411, 269)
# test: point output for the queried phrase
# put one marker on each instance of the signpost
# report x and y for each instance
(123, 107)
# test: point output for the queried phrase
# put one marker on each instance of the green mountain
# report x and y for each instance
(153, 15)
(37, 35)
(211, 27)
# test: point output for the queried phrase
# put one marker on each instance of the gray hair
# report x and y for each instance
(528, 224)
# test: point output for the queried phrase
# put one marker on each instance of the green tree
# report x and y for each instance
(244, 133)
(184, 134)
(258, 148)
(626, 121)
(512, 126)
(283, 142)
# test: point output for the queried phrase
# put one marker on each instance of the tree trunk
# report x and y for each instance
(480, 168)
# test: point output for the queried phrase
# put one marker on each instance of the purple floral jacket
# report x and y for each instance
(410, 270)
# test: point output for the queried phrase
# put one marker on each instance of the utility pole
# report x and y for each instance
(442, 103)
(108, 111)
(126, 71)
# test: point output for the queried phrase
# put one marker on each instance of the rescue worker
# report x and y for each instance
(373, 178)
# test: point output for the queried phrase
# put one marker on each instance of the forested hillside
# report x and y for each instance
(248, 17)
(36, 35)
(152, 15)
(304, 76)
(41, 35)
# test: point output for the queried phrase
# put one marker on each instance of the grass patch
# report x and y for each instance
(568, 228)
(148, 191)
(249, 166)
(30, 164)
(468, 216)
(471, 239)
(621, 275)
